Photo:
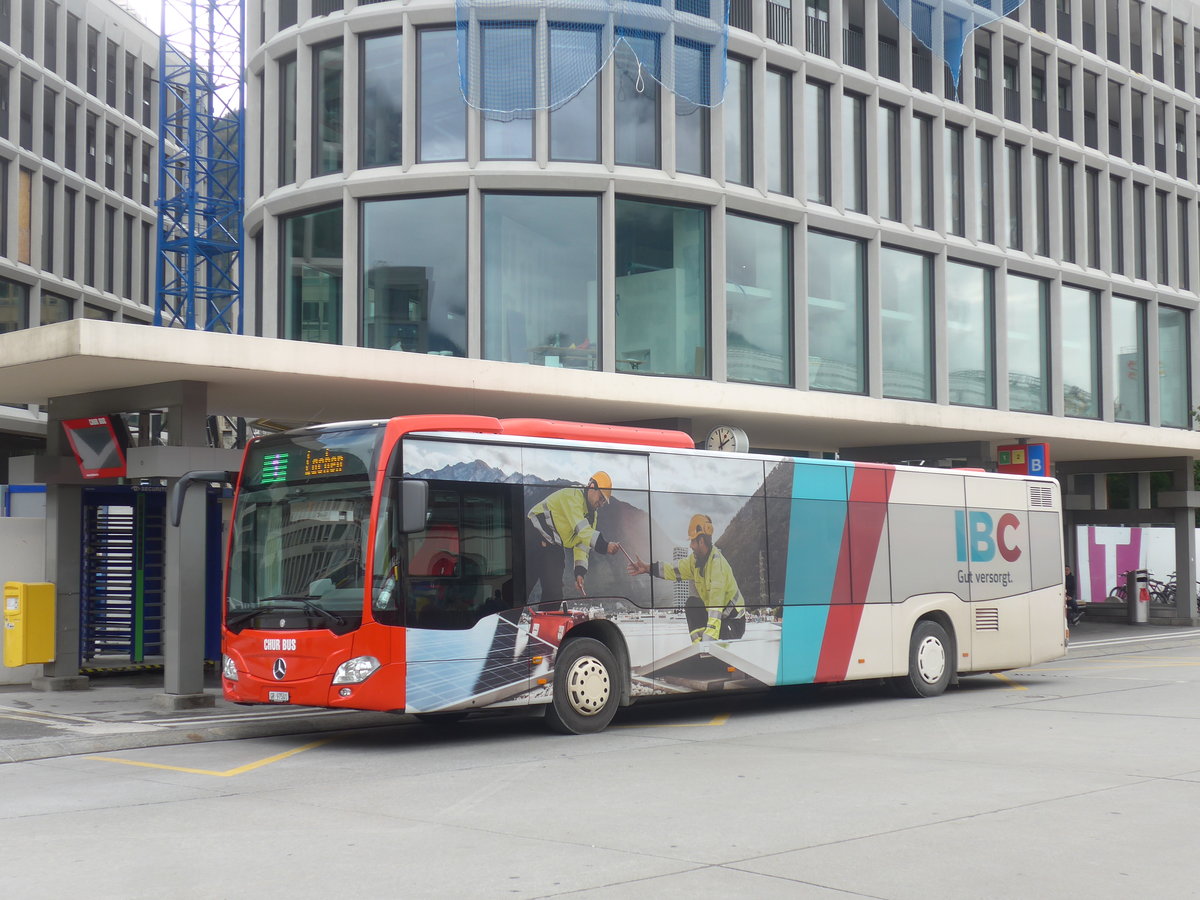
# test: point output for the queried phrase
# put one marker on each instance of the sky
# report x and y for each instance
(150, 11)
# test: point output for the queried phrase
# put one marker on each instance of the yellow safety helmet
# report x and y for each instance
(602, 483)
(700, 524)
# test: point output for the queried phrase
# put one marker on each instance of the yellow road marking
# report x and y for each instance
(228, 773)
(1101, 666)
(716, 720)
(1012, 684)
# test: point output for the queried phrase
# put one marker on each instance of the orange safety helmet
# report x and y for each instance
(601, 482)
(700, 524)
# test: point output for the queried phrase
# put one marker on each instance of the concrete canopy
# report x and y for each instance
(308, 382)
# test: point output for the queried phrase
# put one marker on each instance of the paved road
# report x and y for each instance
(1073, 779)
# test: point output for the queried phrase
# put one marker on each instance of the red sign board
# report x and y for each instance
(1024, 459)
(96, 446)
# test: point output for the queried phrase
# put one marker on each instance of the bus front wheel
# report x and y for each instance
(930, 661)
(586, 688)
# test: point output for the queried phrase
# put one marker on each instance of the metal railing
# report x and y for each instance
(889, 59)
(854, 48)
(983, 94)
(779, 23)
(1040, 115)
(741, 15)
(1012, 105)
(816, 36)
(922, 64)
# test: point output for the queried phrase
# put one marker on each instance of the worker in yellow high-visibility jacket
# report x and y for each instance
(566, 520)
(721, 612)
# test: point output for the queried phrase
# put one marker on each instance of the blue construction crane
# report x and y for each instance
(198, 280)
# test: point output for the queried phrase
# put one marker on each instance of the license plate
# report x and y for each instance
(278, 696)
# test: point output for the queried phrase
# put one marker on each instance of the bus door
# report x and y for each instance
(993, 541)
(463, 647)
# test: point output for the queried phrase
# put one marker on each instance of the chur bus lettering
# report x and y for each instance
(441, 564)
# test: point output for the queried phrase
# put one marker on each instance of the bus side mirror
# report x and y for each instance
(414, 506)
(179, 489)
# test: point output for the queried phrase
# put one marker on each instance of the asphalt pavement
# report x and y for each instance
(120, 711)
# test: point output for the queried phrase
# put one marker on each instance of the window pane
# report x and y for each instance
(541, 270)
(507, 83)
(906, 298)
(287, 116)
(1129, 359)
(1028, 385)
(574, 129)
(636, 110)
(415, 283)
(327, 141)
(1080, 352)
(983, 188)
(14, 306)
(854, 141)
(1184, 242)
(54, 308)
(691, 120)
(969, 323)
(816, 141)
(1162, 237)
(778, 111)
(1012, 156)
(1067, 185)
(1041, 204)
(955, 208)
(888, 127)
(738, 151)
(1139, 230)
(382, 79)
(922, 171)
(442, 114)
(758, 301)
(312, 271)
(1174, 409)
(835, 313)
(662, 288)
(1116, 226)
(1092, 215)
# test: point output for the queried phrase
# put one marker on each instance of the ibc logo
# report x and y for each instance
(978, 537)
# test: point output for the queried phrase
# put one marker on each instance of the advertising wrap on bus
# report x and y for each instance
(582, 575)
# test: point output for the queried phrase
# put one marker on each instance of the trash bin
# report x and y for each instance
(1137, 596)
(28, 623)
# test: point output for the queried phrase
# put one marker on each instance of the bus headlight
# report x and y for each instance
(355, 671)
(228, 668)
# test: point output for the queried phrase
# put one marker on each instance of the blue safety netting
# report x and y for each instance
(516, 56)
(945, 26)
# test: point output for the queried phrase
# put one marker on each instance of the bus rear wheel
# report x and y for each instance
(586, 688)
(930, 661)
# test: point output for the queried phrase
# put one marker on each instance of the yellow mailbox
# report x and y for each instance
(28, 623)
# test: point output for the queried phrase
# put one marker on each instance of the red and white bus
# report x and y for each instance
(437, 565)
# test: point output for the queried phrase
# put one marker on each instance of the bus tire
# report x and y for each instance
(586, 688)
(930, 661)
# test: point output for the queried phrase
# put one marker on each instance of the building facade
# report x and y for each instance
(78, 179)
(848, 220)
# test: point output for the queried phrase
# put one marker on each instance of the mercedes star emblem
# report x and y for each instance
(280, 669)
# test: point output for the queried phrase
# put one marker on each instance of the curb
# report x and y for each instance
(81, 745)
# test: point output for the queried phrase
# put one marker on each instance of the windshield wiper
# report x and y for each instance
(283, 604)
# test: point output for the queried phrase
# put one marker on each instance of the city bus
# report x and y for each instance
(442, 564)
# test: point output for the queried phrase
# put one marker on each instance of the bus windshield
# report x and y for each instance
(300, 537)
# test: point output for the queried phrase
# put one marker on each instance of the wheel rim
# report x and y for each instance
(588, 686)
(931, 660)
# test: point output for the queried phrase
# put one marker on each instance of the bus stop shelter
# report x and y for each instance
(87, 368)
